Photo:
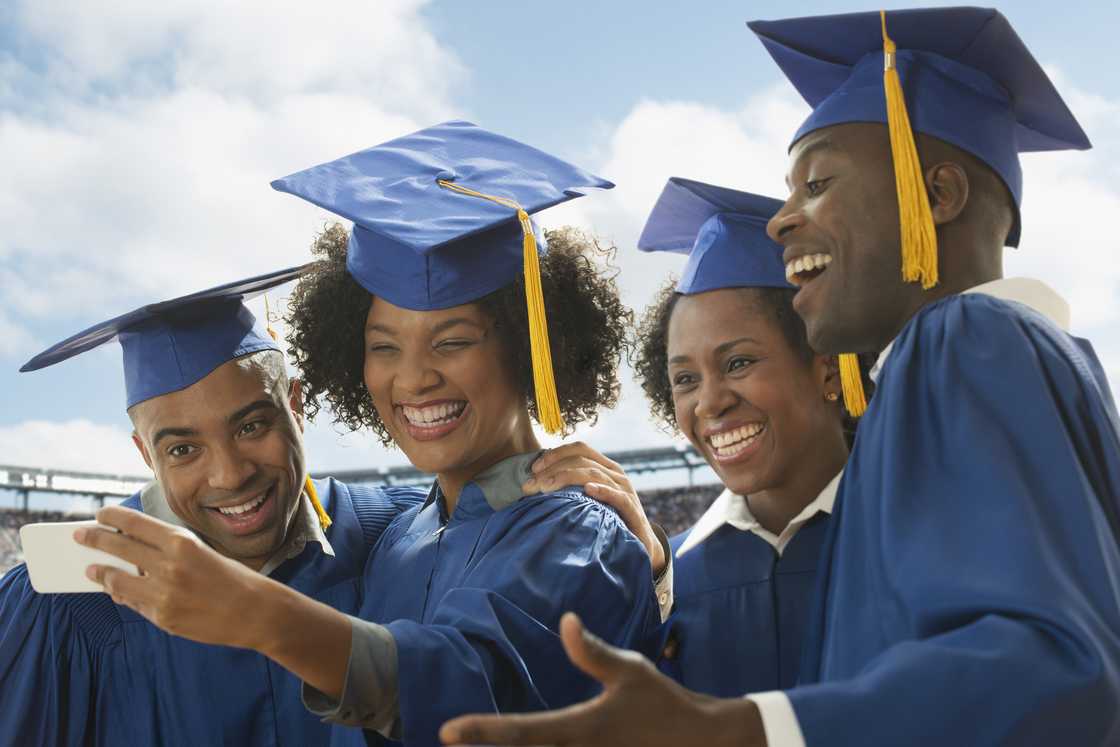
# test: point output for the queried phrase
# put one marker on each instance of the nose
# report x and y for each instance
(417, 375)
(715, 399)
(229, 468)
(785, 221)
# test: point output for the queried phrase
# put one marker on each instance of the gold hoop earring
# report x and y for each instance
(832, 396)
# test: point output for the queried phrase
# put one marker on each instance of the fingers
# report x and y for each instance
(553, 728)
(124, 547)
(619, 500)
(558, 477)
(574, 449)
(137, 524)
(122, 586)
(592, 655)
(575, 470)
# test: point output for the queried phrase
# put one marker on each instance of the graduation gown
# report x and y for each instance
(971, 593)
(473, 601)
(77, 669)
(741, 610)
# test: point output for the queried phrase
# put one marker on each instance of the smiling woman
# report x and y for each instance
(447, 323)
(725, 362)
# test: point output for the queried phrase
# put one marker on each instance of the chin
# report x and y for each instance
(431, 458)
(742, 483)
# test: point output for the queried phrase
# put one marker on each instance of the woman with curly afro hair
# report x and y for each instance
(724, 361)
(446, 322)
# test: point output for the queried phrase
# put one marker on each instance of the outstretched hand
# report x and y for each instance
(638, 706)
(602, 479)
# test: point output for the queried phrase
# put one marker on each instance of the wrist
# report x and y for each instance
(269, 610)
(737, 722)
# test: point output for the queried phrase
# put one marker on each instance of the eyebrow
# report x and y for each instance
(260, 404)
(167, 432)
(446, 324)
(720, 350)
(821, 143)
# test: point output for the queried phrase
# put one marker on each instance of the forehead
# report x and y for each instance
(390, 317)
(212, 398)
(704, 321)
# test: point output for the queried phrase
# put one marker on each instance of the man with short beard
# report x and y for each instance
(220, 424)
(969, 584)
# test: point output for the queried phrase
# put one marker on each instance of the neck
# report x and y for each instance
(452, 481)
(775, 507)
(962, 266)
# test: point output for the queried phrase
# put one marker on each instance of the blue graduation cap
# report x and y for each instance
(723, 232)
(964, 74)
(441, 218)
(170, 345)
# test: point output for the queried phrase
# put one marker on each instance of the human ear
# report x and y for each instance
(295, 401)
(143, 450)
(948, 189)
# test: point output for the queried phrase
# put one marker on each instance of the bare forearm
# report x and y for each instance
(306, 637)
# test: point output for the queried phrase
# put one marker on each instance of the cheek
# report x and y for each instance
(486, 384)
(378, 380)
(180, 487)
(684, 410)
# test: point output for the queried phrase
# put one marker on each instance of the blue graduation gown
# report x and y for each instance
(971, 593)
(474, 602)
(741, 610)
(77, 669)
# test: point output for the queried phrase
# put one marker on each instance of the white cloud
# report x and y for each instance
(74, 444)
(139, 166)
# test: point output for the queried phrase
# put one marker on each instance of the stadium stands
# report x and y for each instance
(676, 509)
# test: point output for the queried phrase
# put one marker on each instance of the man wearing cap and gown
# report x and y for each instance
(80, 669)
(971, 576)
(742, 592)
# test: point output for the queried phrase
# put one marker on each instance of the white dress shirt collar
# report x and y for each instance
(730, 508)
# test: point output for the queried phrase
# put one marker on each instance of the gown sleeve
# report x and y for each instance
(50, 666)
(491, 644)
(996, 461)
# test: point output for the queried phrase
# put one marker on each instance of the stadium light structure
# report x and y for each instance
(27, 480)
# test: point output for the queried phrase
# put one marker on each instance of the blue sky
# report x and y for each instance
(139, 140)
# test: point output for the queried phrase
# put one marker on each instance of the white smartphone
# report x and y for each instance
(56, 563)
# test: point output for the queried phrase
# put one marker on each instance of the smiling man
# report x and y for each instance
(219, 423)
(970, 574)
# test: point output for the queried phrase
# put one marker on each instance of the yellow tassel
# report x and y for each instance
(544, 381)
(855, 401)
(324, 520)
(919, 237)
(268, 322)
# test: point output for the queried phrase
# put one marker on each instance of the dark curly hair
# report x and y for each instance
(587, 325)
(651, 358)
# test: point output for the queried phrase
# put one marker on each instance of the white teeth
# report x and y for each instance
(728, 438)
(805, 264)
(433, 415)
(234, 510)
